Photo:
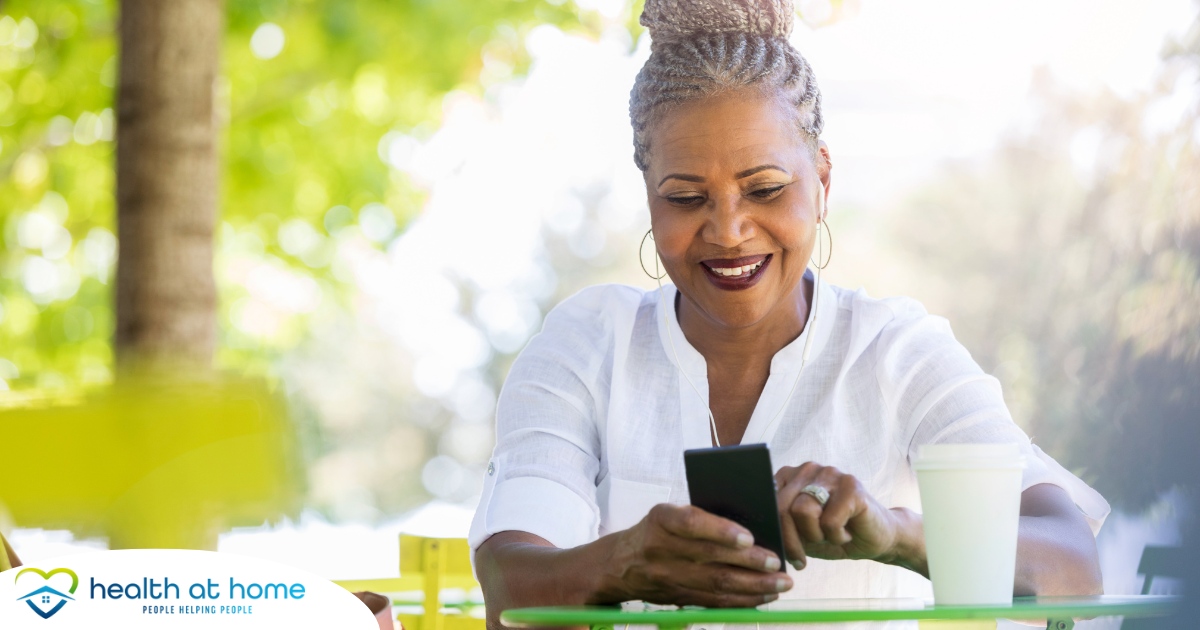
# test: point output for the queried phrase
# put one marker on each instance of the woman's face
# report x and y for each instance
(733, 204)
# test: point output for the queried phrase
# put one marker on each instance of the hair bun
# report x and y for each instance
(678, 19)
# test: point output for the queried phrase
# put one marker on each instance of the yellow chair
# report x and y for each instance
(428, 565)
(150, 464)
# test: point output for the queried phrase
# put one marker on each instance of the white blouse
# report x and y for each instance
(593, 420)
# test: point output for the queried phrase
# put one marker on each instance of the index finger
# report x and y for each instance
(786, 495)
(689, 521)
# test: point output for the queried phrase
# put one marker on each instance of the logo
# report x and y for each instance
(46, 600)
(159, 589)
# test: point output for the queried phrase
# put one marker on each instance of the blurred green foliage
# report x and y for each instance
(56, 75)
(309, 87)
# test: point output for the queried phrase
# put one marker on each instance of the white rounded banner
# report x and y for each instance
(173, 588)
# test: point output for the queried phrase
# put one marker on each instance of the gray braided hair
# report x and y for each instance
(702, 48)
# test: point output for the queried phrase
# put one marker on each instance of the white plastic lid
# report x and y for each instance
(947, 456)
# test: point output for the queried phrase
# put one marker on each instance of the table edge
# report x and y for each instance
(554, 615)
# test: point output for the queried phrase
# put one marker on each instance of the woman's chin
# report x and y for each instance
(725, 312)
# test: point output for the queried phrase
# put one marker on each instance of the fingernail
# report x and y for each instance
(798, 565)
(769, 598)
(744, 540)
(772, 564)
(782, 585)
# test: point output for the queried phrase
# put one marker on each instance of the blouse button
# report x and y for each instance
(491, 469)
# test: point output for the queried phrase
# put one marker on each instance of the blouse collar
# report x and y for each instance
(788, 358)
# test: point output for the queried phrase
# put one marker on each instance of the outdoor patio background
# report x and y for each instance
(404, 198)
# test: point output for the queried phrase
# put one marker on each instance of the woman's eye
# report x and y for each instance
(685, 200)
(766, 193)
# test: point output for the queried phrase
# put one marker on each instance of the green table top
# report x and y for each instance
(835, 610)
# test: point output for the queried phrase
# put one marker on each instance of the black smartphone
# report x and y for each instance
(735, 482)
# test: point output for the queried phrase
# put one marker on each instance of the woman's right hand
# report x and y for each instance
(680, 554)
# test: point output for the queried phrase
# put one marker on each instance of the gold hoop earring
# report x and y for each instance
(829, 256)
(643, 262)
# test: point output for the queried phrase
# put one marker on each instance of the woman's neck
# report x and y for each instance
(737, 349)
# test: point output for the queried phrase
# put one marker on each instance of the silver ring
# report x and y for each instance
(817, 492)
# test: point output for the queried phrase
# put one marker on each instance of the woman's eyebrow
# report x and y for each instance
(687, 178)
(758, 169)
(742, 175)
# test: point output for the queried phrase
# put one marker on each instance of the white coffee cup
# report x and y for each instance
(971, 501)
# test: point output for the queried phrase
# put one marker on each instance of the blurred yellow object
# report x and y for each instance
(4, 563)
(428, 565)
(151, 464)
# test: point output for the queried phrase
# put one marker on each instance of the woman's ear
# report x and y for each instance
(824, 164)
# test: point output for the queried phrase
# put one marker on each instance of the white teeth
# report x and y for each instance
(738, 271)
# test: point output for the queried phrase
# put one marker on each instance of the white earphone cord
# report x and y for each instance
(712, 422)
(808, 329)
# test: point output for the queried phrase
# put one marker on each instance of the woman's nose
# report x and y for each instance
(728, 224)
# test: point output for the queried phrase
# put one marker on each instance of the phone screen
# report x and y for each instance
(735, 482)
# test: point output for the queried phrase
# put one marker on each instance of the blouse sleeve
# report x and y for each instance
(940, 395)
(542, 476)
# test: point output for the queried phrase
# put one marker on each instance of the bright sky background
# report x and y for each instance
(906, 85)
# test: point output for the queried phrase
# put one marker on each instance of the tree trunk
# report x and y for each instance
(167, 183)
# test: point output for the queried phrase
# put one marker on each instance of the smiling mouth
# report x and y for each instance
(737, 273)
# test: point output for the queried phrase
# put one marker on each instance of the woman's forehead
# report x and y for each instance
(728, 131)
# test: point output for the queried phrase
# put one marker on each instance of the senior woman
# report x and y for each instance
(585, 500)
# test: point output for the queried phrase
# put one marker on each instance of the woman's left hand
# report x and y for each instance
(852, 525)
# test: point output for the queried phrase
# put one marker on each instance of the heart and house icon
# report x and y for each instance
(45, 600)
